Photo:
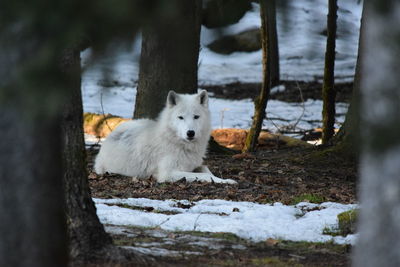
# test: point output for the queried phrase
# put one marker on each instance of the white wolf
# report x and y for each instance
(169, 148)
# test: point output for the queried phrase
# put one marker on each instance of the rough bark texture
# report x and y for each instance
(32, 223)
(86, 233)
(88, 241)
(269, 51)
(379, 226)
(328, 87)
(169, 58)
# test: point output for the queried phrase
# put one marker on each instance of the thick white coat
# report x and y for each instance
(163, 148)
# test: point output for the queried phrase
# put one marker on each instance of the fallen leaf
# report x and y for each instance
(271, 242)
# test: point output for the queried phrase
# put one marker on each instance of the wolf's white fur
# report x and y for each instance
(162, 148)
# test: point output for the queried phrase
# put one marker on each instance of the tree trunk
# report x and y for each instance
(86, 233)
(32, 224)
(269, 42)
(348, 135)
(88, 241)
(169, 58)
(328, 87)
(379, 227)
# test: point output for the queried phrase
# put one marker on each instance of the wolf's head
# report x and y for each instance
(188, 116)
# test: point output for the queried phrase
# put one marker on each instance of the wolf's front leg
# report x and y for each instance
(193, 176)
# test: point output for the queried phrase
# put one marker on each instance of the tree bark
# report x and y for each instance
(379, 227)
(328, 87)
(86, 233)
(169, 58)
(348, 136)
(32, 224)
(269, 43)
(88, 241)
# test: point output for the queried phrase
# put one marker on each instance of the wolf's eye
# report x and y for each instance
(180, 117)
(196, 117)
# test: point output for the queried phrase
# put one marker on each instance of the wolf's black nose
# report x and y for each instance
(190, 134)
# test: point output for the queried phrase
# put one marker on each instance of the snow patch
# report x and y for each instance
(248, 220)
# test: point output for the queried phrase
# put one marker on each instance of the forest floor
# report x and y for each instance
(277, 173)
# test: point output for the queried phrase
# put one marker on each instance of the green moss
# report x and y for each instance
(311, 247)
(332, 231)
(220, 235)
(312, 198)
(121, 240)
(88, 117)
(347, 222)
(339, 152)
(270, 261)
(291, 142)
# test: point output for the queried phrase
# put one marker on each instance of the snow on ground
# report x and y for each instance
(252, 221)
(110, 84)
(224, 113)
(301, 44)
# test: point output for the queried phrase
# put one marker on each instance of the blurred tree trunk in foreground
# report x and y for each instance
(169, 57)
(32, 224)
(270, 60)
(379, 227)
(328, 87)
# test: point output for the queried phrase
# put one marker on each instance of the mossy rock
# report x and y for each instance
(220, 13)
(347, 222)
(246, 41)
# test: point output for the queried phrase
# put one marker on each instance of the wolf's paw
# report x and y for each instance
(229, 181)
(223, 181)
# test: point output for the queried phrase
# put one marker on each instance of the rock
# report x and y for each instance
(220, 13)
(246, 41)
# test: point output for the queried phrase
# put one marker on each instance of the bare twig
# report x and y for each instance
(163, 222)
(284, 129)
(303, 105)
(102, 110)
(195, 223)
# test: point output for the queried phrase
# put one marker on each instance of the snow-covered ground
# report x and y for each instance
(252, 221)
(301, 44)
(301, 49)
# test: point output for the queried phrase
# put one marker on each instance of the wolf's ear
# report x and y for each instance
(203, 98)
(172, 98)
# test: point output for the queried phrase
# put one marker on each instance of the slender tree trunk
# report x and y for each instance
(32, 223)
(379, 227)
(348, 135)
(270, 74)
(169, 58)
(328, 87)
(273, 44)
